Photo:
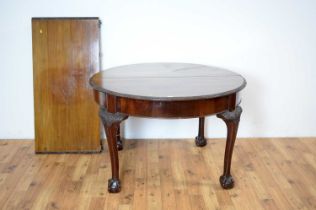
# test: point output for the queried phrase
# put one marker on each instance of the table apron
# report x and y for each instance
(170, 109)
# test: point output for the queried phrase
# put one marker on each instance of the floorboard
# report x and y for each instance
(270, 173)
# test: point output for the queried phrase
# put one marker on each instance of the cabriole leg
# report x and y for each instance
(111, 123)
(200, 140)
(231, 118)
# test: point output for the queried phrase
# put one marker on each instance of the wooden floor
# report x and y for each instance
(162, 174)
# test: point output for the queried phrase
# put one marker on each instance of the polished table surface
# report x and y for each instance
(168, 90)
(168, 81)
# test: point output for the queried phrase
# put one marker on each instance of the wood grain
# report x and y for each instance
(162, 174)
(167, 81)
(167, 90)
(65, 55)
(173, 109)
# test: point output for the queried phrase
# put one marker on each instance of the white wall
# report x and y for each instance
(271, 43)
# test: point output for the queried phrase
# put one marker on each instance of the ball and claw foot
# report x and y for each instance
(200, 141)
(226, 181)
(114, 186)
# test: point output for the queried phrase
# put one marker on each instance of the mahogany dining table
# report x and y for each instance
(168, 90)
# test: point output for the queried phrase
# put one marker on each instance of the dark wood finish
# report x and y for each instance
(134, 101)
(173, 109)
(231, 118)
(111, 123)
(168, 81)
(100, 99)
(65, 55)
(169, 109)
(200, 140)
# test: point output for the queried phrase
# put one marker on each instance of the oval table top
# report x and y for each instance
(167, 81)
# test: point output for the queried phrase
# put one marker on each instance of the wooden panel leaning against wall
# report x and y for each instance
(66, 52)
